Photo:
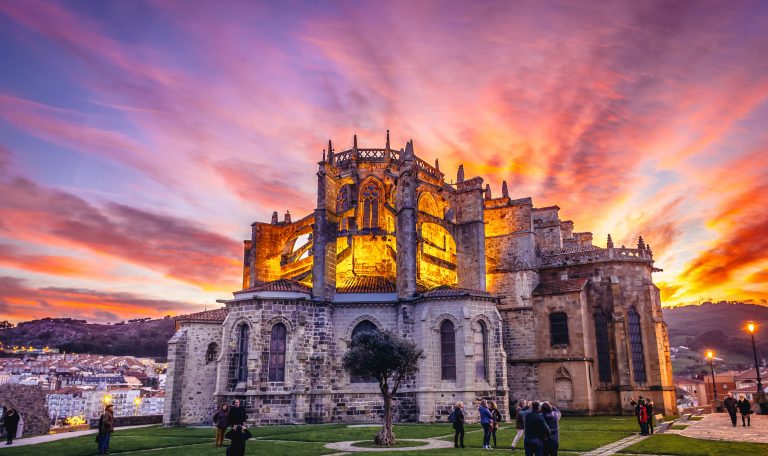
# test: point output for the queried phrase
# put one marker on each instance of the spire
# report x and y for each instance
(648, 250)
(460, 174)
(274, 218)
(504, 190)
(487, 191)
(330, 152)
(437, 164)
(287, 218)
(609, 243)
(323, 155)
(387, 139)
(409, 149)
(354, 141)
(640, 243)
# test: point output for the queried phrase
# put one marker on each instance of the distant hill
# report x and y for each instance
(142, 337)
(720, 327)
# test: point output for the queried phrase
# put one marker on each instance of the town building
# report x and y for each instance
(505, 298)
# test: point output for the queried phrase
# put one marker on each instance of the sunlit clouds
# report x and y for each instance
(141, 139)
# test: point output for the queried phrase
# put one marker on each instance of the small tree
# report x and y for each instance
(388, 358)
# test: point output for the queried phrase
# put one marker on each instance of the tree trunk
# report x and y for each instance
(385, 435)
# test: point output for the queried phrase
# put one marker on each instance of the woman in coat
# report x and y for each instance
(746, 409)
(552, 417)
(496, 420)
(11, 425)
(220, 420)
(485, 421)
(458, 425)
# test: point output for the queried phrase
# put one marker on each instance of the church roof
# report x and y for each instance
(555, 287)
(279, 285)
(447, 290)
(366, 284)
(208, 315)
(570, 249)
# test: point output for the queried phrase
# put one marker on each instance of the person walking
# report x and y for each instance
(106, 427)
(496, 415)
(238, 435)
(220, 420)
(551, 416)
(11, 425)
(485, 421)
(731, 405)
(457, 418)
(536, 431)
(520, 410)
(746, 409)
(237, 415)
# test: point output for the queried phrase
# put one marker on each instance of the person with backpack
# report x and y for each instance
(520, 410)
(220, 420)
(457, 418)
(238, 435)
(642, 416)
(497, 418)
(485, 421)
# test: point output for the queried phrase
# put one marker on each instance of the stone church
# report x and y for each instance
(506, 300)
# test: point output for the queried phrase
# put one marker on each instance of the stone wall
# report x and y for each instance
(199, 379)
(29, 401)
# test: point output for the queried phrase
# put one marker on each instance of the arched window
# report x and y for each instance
(370, 195)
(636, 344)
(558, 328)
(241, 355)
(447, 350)
(603, 346)
(277, 353)
(211, 353)
(481, 352)
(342, 204)
(362, 327)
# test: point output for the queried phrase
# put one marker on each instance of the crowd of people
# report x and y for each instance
(536, 423)
(232, 418)
(644, 413)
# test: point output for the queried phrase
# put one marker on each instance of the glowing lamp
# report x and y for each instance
(137, 401)
(107, 398)
(751, 327)
(710, 354)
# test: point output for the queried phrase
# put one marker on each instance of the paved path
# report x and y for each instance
(613, 448)
(432, 444)
(717, 426)
(62, 436)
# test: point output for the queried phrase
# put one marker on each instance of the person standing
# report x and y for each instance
(520, 410)
(746, 409)
(642, 417)
(106, 427)
(237, 415)
(536, 431)
(496, 415)
(238, 435)
(11, 425)
(220, 420)
(457, 418)
(552, 417)
(651, 418)
(485, 421)
(731, 405)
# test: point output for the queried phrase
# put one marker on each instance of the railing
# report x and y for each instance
(596, 255)
(343, 158)
(428, 169)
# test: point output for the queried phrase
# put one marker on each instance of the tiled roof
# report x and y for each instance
(208, 315)
(559, 287)
(366, 284)
(279, 285)
(447, 290)
(571, 249)
(749, 374)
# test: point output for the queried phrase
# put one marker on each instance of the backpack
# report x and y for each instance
(452, 417)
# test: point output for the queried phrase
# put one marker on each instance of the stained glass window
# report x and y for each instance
(481, 352)
(603, 346)
(447, 350)
(636, 344)
(558, 328)
(241, 356)
(371, 197)
(277, 353)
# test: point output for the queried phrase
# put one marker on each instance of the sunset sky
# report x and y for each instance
(139, 140)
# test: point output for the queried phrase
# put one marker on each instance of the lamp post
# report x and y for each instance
(710, 355)
(137, 402)
(760, 396)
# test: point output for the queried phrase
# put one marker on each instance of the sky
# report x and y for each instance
(139, 140)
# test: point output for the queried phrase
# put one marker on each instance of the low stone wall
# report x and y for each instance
(29, 401)
(131, 420)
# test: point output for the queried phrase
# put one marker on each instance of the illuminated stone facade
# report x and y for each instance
(505, 299)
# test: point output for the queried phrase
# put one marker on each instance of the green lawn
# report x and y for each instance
(671, 444)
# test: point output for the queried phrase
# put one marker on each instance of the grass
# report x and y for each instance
(696, 418)
(680, 427)
(671, 444)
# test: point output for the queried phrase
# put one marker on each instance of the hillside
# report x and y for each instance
(144, 337)
(716, 326)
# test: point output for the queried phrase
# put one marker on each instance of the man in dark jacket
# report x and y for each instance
(730, 404)
(458, 425)
(536, 431)
(552, 417)
(106, 427)
(11, 425)
(237, 414)
(238, 436)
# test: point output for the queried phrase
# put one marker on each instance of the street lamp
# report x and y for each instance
(710, 355)
(137, 402)
(760, 397)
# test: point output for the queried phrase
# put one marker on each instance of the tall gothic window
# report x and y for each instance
(558, 328)
(481, 352)
(603, 346)
(342, 204)
(636, 344)
(371, 196)
(277, 353)
(211, 353)
(447, 350)
(241, 355)
(362, 327)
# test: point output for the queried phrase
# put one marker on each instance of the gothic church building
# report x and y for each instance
(505, 299)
